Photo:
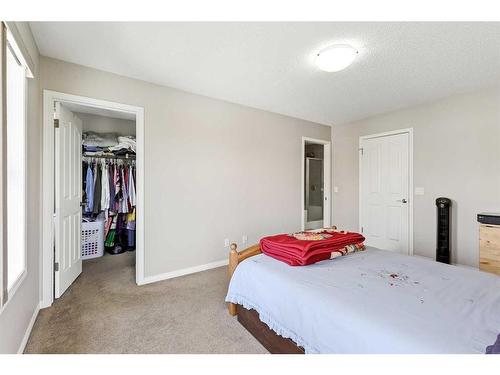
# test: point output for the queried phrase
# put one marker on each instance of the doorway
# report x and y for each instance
(316, 164)
(385, 190)
(68, 163)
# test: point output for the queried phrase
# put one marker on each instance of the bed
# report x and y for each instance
(372, 301)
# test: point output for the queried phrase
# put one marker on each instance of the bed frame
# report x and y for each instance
(249, 319)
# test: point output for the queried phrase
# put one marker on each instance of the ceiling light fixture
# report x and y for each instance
(336, 57)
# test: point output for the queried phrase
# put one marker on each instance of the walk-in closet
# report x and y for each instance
(108, 185)
(95, 149)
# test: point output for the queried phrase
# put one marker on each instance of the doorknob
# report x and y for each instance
(402, 200)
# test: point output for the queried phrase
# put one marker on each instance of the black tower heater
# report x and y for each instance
(443, 230)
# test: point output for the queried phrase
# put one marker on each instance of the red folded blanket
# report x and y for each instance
(301, 252)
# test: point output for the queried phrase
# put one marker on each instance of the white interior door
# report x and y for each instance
(68, 194)
(384, 192)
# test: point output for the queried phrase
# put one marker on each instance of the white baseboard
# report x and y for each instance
(466, 266)
(184, 271)
(28, 330)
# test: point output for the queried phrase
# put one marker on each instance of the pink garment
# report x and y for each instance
(118, 192)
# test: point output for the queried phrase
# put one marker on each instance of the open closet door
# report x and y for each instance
(68, 195)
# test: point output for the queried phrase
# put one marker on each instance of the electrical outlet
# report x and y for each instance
(244, 239)
(226, 242)
(419, 191)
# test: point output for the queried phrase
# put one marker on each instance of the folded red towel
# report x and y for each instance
(299, 252)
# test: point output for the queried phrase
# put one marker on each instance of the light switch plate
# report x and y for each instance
(244, 238)
(419, 190)
(335, 189)
(226, 242)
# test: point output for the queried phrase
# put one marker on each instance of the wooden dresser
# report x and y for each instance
(489, 248)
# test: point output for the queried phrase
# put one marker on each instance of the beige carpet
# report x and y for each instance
(104, 311)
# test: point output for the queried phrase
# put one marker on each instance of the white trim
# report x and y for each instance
(411, 196)
(27, 333)
(26, 183)
(385, 134)
(17, 284)
(16, 41)
(3, 165)
(184, 271)
(49, 97)
(327, 159)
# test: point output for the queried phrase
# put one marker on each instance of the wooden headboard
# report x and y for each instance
(235, 258)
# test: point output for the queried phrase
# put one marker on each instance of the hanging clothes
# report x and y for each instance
(125, 183)
(89, 189)
(131, 189)
(105, 189)
(118, 188)
(112, 201)
(109, 186)
(97, 190)
(124, 198)
(110, 191)
(84, 182)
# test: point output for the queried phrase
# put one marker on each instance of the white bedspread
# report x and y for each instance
(372, 302)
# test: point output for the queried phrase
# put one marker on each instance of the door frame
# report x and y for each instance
(48, 168)
(408, 131)
(327, 170)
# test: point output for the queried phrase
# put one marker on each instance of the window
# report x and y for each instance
(16, 161)
(15, 80)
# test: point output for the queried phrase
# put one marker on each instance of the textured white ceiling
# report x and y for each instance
(269, 65)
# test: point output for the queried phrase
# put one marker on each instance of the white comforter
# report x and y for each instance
(372, 302)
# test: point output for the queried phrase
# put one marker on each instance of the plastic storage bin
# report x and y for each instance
(92, 239)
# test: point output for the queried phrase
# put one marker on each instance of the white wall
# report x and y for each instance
(102, 124)
(213, 169)
(16, 315)
(456, 155)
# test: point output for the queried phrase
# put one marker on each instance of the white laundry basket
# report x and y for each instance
(92, 239)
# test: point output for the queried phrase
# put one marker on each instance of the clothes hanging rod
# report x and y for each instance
(119, 157)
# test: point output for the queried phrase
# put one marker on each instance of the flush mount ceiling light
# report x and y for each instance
(336, 57)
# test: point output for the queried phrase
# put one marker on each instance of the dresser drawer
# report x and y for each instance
(489, 233)
(489, 248)
(492, 248)
(489, 265)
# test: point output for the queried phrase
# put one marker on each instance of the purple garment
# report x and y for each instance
(97, 189)
(495, 348)
(112, 201)
(120, 223)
